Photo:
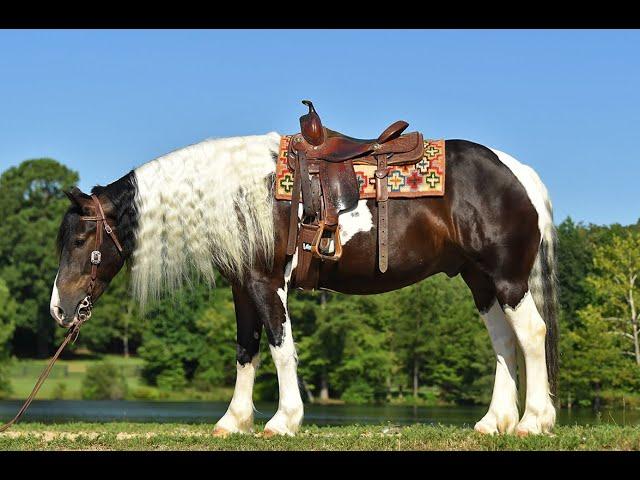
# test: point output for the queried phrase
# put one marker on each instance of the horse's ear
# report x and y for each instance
(77, 196)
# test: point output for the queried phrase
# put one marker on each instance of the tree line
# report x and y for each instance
(423, 343)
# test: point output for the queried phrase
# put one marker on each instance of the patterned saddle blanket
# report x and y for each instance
(424, 179)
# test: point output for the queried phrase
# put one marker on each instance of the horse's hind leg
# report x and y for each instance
(502, 416)
(530, 329)
(239, 415)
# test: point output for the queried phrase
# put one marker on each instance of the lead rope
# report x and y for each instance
(72, 333)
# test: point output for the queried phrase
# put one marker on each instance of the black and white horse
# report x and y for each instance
(211, 206)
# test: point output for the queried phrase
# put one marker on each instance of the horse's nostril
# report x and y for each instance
(59, 312)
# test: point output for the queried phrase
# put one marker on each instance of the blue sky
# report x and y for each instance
(102, 102)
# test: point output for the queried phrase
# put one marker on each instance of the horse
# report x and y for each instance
(210, 206)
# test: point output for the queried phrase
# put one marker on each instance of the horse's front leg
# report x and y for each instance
(239, 415)
(271, 301)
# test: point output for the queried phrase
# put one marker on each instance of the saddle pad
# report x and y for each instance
(424, 179)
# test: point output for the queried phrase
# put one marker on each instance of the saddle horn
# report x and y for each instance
(311, 125)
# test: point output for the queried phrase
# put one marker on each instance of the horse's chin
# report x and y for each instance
(69, 323)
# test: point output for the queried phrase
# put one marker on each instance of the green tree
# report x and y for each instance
(367, 359)
(32, 204)
(592, 362)
(600, 348)
(314, 359)
(116, 325)
(617, 287)
(7, 325)
(347, 349)
(104, 381)
(190, 337)
(362, 347)
(442, 340)
(217, 348)
(575, 262)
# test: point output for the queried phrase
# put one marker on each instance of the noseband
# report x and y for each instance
(84, 309)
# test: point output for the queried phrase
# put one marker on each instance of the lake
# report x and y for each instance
(58, 411)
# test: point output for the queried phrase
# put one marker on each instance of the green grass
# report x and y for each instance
(145, 436)
(69, 373)
(24, 373)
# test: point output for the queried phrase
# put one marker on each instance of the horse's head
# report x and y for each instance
(90, 256)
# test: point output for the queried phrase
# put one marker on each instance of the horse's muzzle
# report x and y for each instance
(82, 313)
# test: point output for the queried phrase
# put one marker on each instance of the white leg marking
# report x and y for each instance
(530, 329)
(357, 220)
(239, 415)
(288, 418)
(503, 415)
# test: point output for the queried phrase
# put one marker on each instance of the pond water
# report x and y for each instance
(58, 411)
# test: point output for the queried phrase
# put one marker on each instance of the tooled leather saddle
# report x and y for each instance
(322, 162)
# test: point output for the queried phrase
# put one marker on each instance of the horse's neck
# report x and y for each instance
(206, 206)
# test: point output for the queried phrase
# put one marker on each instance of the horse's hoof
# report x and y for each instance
(484, 429)
(220, 432)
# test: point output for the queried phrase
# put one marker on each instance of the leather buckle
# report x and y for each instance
(96, 257)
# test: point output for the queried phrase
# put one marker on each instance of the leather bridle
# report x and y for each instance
(84, 309)
(101, 223)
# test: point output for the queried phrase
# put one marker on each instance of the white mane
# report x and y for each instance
(202, 207)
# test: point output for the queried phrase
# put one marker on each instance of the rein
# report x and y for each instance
(84, 309)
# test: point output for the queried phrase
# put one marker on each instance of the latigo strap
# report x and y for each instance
(382, 198)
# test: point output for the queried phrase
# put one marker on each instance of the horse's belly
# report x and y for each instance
(416, 248)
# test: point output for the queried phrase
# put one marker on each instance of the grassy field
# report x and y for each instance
(66, 377)
(139, 436)
(64, 382)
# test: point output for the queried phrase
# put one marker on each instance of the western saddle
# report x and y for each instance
(322, 161)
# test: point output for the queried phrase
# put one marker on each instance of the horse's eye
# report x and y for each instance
(79, 242)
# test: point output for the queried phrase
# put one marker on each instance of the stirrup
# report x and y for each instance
(337, 245)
